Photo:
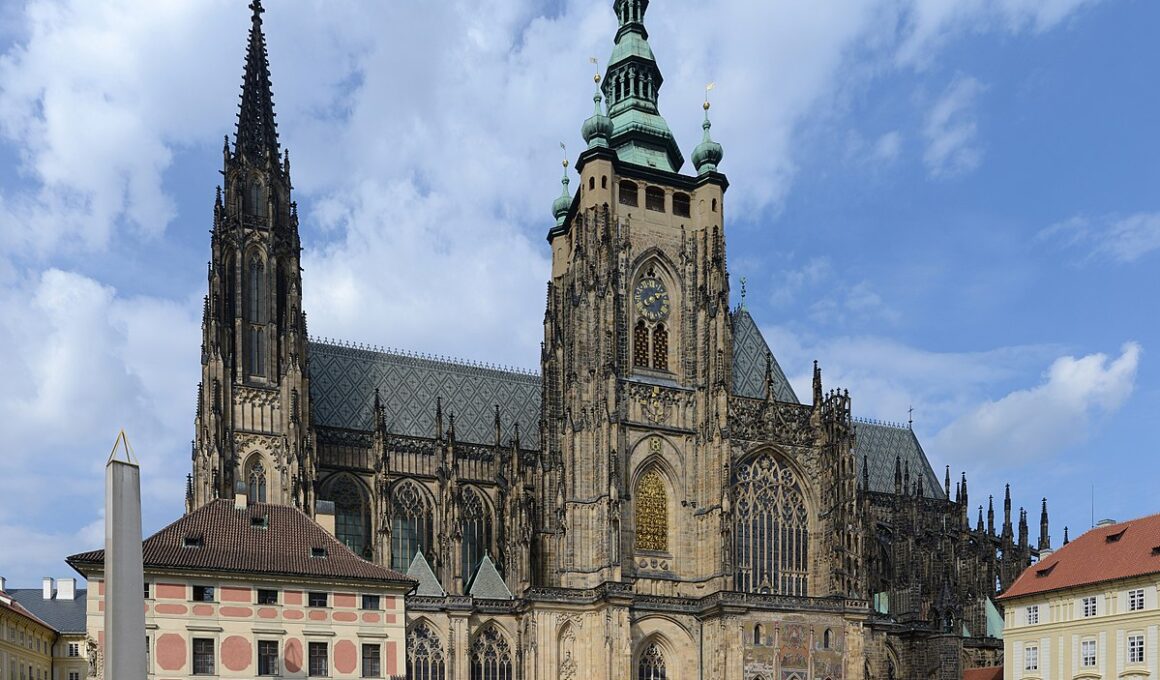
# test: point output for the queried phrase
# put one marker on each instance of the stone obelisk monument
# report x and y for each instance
(124, 574)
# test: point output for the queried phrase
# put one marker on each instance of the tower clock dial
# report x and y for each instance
(651, 299)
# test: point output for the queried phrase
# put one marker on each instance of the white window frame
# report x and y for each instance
(1087, 654)
(1031, 658)
(1136, 654)
(1033, 615)
(1136, 600)
(1090, 608)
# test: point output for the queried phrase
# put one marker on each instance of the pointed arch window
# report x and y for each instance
(256, 291)
(255, 199)
(475, 527)
(652, 664)
(411, 525)
(491, 656)
(351, 523)
(425, 658)
(771, 535)
(256, 482)
(652, 512)
(660, 348)
(640, 349)
(257, 352)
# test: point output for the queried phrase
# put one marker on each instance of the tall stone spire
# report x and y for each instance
(632, 85)
(257, 134)
(1044, 534)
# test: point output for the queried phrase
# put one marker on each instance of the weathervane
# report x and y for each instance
(564, 148)
(709, 88)
(596, 63)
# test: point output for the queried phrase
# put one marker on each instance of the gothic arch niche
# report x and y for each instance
(425, 657)
(255, 476)
(352, 521)
(475, 525)
(655, 303)
(256, 303)
(567, 659)
(412, 523)
(490, 657)
(771, 526)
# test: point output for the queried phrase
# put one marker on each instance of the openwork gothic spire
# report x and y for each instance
(257, 135)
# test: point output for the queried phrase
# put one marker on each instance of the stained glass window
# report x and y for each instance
(257, 482)
(772, 529)
(476, 528)
(652, 664)
(425, 660)
(411, 527)
(652, 512)
(491, 657)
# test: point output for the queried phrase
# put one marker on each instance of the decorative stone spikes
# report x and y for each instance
(257, 133)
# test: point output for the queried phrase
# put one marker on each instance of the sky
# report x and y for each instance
(952, 205)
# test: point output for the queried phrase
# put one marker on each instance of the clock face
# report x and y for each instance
(651, 299)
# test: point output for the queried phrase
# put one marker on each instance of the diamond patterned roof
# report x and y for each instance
(750, 352)
(881, 445)
(343, 382)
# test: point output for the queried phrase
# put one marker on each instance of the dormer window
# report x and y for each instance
(628, 194)
(318, 553)
(654, 199)
(194, 541)
(681, 205)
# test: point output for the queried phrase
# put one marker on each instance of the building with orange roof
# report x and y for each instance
(1090, 610)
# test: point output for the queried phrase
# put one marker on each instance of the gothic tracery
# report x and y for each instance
(772, 528)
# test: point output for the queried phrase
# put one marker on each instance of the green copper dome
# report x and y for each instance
(563, 202)
(598, 129)
(708, 154)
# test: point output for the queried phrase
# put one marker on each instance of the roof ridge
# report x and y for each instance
(333, 343)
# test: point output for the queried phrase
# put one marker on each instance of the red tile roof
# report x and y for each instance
(6, 602)
(262, 539)
(1105, 553)
(995, 673)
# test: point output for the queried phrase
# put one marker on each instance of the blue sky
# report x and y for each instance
(951, 204)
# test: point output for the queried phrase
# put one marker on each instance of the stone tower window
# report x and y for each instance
(591, 183)
(681, 205)
(425, 659)
(654, 199)
(758, 635)
(255, 200)
(772, 529)
(652, 664)
(640, 353)
(411, 525)
(256, 482)
(660, 348)
(652, 512)
(491, 656)
(476, 530)
(629, 194)
(256, 315)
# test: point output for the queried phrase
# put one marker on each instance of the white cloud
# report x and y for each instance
(951, 130)
(1057, 414)
(1121, 239)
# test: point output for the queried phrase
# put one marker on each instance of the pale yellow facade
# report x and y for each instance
(192, 632)
(25, 645)
(1101, 631)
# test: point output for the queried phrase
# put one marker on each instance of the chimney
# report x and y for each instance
(66, 589)
(241, 501)
(1045, 553)
(3, 583)
(324, 515)
(1105, 522)
(49, 587)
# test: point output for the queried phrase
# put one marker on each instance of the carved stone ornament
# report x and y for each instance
(757, 420)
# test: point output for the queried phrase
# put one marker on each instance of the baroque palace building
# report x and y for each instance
(656, 502)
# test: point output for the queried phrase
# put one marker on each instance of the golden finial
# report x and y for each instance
(708, 88)
(594, 62)
(564, 148)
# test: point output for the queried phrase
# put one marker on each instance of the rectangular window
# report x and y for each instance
(73, 675)
(1136, 600)
(203, 593)
(317, 600)
(681, 205)
(654, 199)
(319, 664)
(146, 652)
(146, 590)
(203, 656)
(1089, 606)
(1087, 653)
(370, 602)
(74, 649)
(1033, 615)
(267, 596)
(267, 657)
(372, 662)
(1135, 649)
(1031, 659)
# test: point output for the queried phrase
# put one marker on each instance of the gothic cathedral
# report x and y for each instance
(656, 503)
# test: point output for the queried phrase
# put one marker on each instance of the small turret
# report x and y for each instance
(1023, 529)
(708, 154)
(1044, 535)
(597, 130)
(563, 203)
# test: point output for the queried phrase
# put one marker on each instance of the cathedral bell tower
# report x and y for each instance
(637, 351)
(253, 409)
